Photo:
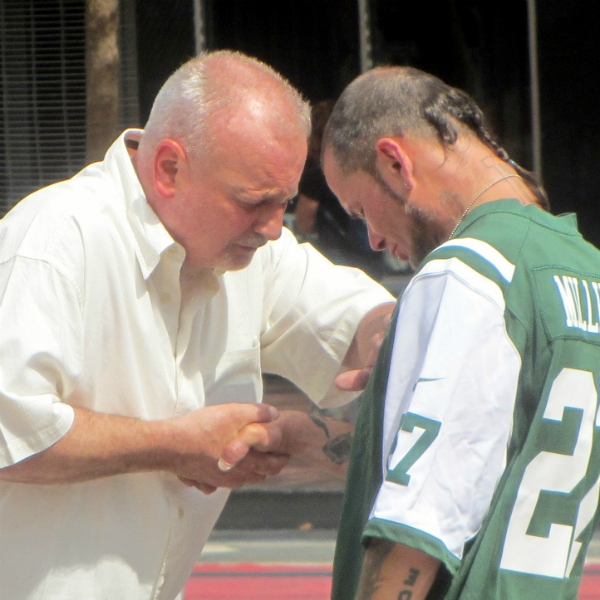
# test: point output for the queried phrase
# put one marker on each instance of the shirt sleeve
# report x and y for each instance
(40, 356)
(312, 311)
(448, 415)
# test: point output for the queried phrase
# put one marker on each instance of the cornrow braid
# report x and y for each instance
(462, 108)
(394, 100)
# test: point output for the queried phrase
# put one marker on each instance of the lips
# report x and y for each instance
(251, 246)
(398, 253)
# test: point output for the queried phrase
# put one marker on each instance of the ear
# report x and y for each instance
(394, 164)
(169, 162)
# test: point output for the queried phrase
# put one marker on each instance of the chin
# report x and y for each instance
(234, 263)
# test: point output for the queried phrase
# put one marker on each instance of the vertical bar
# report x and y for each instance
(536, 130)
(364, 32)
(199, 26)
(102, 61)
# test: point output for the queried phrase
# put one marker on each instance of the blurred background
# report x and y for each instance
(73, 74)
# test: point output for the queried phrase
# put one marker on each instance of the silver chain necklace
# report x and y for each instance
(483, 191)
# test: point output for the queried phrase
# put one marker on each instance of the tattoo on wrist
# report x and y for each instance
(338, 449)
(316, 419)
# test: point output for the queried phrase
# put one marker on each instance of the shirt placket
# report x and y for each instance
(189, 387)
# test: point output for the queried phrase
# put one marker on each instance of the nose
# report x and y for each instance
(269, 221)
(376, 241)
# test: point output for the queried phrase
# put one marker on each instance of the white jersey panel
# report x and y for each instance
(487, 251)
(449, 404)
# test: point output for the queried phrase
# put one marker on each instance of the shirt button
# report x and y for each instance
(173, 250)
(180, 513)
(164, 298)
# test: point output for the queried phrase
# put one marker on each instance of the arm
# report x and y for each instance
(99, 445)
(395, 572)
(311, 438)
(363, 350)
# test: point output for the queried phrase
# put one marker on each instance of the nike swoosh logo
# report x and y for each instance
(423, 379)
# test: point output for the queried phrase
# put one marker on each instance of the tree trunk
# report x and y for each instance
(102, 76)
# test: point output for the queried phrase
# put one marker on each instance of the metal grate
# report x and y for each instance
(42, 91)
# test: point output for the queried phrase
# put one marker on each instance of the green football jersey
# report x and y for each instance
(478, 437)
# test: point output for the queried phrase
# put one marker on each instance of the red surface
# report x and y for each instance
(261, 582)
(258, 582)
(590, 584)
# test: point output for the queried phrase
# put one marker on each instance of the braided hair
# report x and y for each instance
(393, 100)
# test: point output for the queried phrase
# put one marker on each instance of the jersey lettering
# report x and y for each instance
(578, 303)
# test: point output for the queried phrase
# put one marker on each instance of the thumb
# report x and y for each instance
(251, 436)
(247, 413)
(353, 381)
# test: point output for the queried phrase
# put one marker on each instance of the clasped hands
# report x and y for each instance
(261, 447)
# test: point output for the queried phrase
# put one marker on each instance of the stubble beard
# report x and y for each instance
(426, 233)
(237, 260)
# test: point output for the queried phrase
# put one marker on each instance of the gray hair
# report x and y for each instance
(391, 101)
(209, 84)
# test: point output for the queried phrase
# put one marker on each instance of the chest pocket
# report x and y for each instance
(237, 378)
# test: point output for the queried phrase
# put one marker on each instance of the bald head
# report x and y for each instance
(210, 91)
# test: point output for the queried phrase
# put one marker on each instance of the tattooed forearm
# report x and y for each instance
(396, 572)
(319, 422)
(410, 581)
(338, 449)
(371, 577)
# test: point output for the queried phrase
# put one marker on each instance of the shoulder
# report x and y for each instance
(51, 224)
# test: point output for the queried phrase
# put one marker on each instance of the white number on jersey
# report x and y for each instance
(415, 442)
(555, 555)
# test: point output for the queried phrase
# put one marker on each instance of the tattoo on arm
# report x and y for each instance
(375, 576)
(319, 423)
(371, 576)
(338, 449)
(413, 575)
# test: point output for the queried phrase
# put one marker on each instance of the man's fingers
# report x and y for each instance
(255, 413)
(353, 381)
(268, 464)
(203, 487)
(251, 436)
(224, 466)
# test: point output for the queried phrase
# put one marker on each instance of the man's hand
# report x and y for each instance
(313, 439)
(101, 445)
(205, 434)
(363, 351)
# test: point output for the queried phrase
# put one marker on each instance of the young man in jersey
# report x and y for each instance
(476, 459)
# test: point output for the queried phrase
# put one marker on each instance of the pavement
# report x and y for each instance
(295, 564)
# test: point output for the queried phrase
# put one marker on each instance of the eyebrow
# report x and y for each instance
(244, 195)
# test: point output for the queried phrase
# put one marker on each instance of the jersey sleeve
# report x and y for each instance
(448, 414)
(312, 310)
(40, 356)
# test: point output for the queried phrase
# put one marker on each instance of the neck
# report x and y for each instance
(479, 195)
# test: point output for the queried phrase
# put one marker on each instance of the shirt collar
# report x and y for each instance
(151, 239)
(564, 223)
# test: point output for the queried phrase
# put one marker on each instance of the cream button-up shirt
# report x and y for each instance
(92, 315)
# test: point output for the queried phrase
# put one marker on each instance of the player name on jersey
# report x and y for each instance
(581, 301)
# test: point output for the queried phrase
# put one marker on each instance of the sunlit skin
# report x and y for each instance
(421, 190)
(408, 232)
(225, 204)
